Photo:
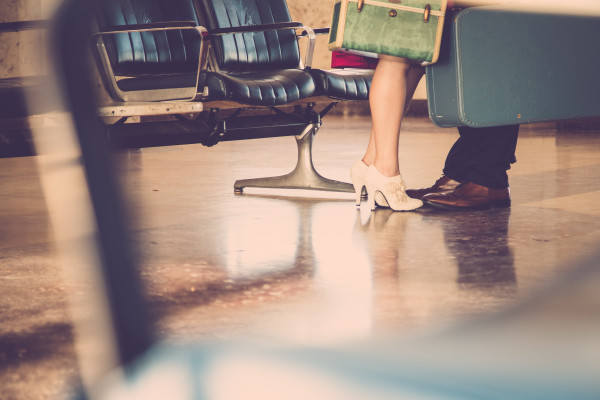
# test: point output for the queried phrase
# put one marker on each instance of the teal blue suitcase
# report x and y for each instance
(499, 67)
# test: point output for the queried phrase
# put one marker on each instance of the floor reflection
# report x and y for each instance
(454, 262)
(255, 244)
(302, 268)
(479, 243)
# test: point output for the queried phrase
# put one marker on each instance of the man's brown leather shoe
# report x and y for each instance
(444, 184)
(469, 196)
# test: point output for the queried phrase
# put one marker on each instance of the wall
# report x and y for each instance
(18, 50)
(21, 53)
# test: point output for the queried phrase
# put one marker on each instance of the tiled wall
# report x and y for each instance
(21, 53)
(315, 14)
(18, 51)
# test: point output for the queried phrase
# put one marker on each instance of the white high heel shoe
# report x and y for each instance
(357, 175)
(392, 189)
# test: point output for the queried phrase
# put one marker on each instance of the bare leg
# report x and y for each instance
(394, 84)
(369, 156)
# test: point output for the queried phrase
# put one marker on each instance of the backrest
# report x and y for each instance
(143, 53)
(251, 51)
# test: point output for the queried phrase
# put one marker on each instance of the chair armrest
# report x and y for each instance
(273, 27)
(312, 35)
(255, 28)
(154, 27)
(306, 31)
(318, 31)
(310, 47)
(204, 43)
(18, 26)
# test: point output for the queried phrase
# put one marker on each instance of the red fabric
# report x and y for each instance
(348, 60)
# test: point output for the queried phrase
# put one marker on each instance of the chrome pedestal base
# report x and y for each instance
(304, 175)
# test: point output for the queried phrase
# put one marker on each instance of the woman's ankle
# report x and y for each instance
(387, 170)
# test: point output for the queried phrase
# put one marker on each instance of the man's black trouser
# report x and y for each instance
(483, 155)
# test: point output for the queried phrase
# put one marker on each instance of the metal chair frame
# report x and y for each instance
(208, 128)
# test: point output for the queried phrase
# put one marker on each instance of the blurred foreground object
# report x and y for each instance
(547, 348)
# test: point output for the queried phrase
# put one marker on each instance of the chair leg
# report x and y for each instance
(304, 175)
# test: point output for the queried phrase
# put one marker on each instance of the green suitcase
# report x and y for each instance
(502, 67)
(401, 28)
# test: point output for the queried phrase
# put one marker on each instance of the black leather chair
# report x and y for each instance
(160, 51)
(255, 54)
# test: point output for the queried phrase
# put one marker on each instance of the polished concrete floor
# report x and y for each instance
(297, 267)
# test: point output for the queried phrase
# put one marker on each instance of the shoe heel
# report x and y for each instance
(357, 175)
(370, 197)
(371, 201)
(358, 191)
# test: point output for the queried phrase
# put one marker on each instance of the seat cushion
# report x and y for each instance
(343, 84)
(257, 88)
(177, 81)
(260, 88)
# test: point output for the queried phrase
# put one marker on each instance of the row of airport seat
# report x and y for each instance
(216, 70)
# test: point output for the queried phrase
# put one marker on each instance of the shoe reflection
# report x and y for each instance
(383, 234)
(479, 243)
(432, 266)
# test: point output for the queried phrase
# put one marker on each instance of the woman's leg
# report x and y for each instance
(393, 86)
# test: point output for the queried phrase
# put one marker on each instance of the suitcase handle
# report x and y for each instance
(360, 4)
